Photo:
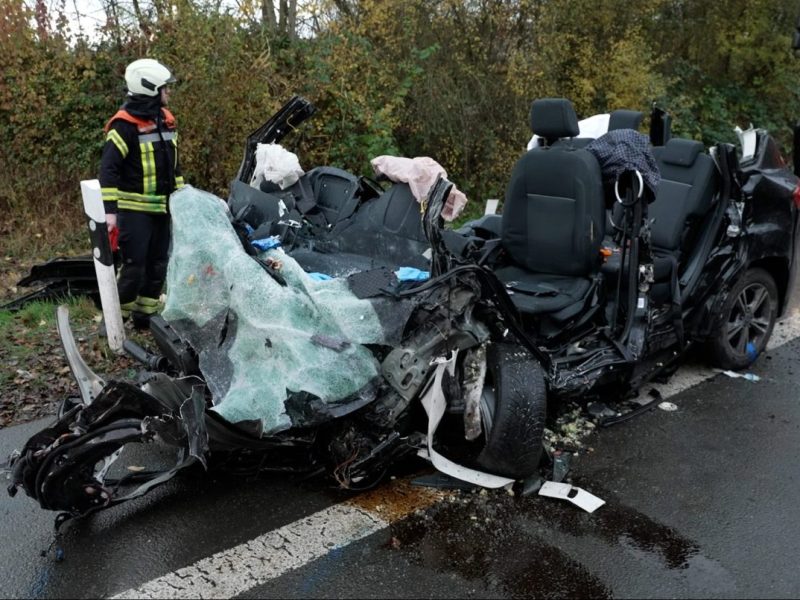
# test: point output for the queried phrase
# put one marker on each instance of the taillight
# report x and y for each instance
(796, 196)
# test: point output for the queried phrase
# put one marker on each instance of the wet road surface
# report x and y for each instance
(701, 502)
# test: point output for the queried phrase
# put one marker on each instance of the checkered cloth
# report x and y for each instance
(622, 150)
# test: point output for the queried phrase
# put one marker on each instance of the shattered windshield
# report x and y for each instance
(261, 338)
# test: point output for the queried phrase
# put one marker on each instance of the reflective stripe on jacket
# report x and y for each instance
(139, 168)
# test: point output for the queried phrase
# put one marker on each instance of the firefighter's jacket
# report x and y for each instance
(139, 168)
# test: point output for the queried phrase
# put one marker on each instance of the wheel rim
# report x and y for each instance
(750, 319)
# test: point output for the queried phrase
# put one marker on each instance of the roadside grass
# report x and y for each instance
(34, 374)
(57, 228)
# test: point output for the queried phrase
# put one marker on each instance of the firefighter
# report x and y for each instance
(138, 172)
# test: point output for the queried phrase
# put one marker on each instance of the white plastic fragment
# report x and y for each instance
(749, 376)
(434, 403)
(578, 496)
(668, 406)
(747, 140)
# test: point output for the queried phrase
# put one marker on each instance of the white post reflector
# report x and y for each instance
(491, 207)
(103, 262)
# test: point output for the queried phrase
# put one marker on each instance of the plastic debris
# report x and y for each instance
(411, 274)
(668, 406)
(435, 405)
(749, 376)
(320, 276)
(578, 496)
(600, 410)
(561, 462)
(267, 243)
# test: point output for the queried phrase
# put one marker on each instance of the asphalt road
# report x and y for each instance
(701, 502)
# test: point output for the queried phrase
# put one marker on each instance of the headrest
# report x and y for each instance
(681, 152)
(554, 118)
(625, 119)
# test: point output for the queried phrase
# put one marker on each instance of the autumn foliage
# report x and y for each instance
(450, 79)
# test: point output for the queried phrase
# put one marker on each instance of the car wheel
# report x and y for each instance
(747, 320)
(513, 408)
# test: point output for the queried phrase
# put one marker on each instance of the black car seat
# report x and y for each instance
(384, 232)
(625, 119)
(553, 119)
(553, 219)
(335, 192)
(685, 195)
(618, 119)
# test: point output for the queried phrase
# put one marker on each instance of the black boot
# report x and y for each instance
(140, 321)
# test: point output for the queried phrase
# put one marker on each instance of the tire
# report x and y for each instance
(746, 322)
(515, 416)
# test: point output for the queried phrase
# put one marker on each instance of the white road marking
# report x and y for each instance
(268, 556)
(253, 563)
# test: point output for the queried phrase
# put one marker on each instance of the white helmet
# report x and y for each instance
(146, 77)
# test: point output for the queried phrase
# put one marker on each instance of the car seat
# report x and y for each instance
(553, 219)
(685, 195)
(618, 119)
(625, 119)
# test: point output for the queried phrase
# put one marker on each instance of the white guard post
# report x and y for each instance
(103, 262)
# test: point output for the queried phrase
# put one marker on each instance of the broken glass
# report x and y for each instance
(261, 342)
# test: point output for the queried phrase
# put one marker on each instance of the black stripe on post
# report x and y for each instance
(101, 245)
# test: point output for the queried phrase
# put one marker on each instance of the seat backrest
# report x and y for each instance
(689, 181)
(574, 143)
(388, 228)
(625, 119)
(335, 192)
(554, 212)
(553, 119)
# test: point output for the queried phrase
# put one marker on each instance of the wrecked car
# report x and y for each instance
(293, 339)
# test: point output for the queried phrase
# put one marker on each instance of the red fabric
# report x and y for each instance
(113, 237)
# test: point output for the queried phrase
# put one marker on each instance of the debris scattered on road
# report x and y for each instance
(561, 461)
(749, 376)
(668, 406)
(600, 410)
(569, 430)
(578, 496)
